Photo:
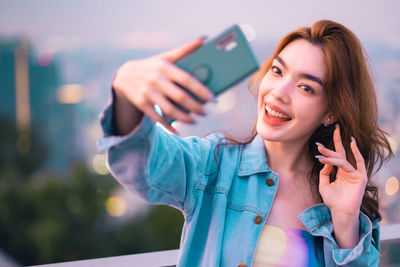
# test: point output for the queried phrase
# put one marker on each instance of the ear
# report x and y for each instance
(328, 120)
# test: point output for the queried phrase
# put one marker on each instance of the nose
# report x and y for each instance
(282, 89)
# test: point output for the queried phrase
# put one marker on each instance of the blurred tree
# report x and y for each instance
(12, 159)
(49, 217)
(159, 230)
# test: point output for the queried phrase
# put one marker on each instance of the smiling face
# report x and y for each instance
(291, 98)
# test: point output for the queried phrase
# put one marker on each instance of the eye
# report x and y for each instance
(276, 70)
(307, 89)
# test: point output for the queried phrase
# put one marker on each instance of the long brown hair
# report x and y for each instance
(351, 101)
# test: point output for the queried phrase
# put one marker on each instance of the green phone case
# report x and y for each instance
(220, 63)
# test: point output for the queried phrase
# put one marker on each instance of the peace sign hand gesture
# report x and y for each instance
(345, 194)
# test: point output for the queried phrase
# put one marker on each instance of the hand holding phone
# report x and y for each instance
(169, 78)
(141, 84)
(219, 64)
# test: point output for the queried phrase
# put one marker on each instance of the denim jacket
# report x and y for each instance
(224, 196)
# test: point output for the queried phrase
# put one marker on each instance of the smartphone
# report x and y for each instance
(219, 63)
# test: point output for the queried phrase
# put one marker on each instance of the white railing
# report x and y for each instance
(390, 234)
(149, 259)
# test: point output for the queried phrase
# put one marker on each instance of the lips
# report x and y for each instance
(276, 114)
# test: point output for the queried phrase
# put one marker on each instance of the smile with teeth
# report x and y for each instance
(276, 114)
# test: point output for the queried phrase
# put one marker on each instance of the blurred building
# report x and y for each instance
(30, 97)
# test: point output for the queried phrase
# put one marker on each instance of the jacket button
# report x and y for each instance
(270, 182)
(258, 219)
(241, 265)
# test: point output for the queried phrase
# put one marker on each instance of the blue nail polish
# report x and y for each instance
(320, 157)
(353, 140)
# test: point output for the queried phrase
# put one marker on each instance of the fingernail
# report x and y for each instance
(319, 144)
(353, 140)
(192, 121)
(212, 98)
(203, 37)
(320, 157)
(202, 113)
(337, 125)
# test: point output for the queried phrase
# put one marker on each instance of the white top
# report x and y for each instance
(283, 247)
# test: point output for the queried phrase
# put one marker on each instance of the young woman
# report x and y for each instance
(297, 192)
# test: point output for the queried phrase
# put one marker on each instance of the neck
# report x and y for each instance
(287, 158)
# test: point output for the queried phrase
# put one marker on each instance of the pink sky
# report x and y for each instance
(158, 24)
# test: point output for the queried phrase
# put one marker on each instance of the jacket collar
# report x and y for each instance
(253, 159)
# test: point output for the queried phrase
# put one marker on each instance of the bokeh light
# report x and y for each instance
(392, 186)
(249, 31)
(394, 144)
(70, 94)
(115, 206)
(45, 58)
(226, 102)
(95, 131)
(283, 247)
(99, 164)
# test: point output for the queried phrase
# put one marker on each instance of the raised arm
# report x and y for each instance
(141, 84)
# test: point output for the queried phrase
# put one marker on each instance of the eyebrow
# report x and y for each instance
(303, 75)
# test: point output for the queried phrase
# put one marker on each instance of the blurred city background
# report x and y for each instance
(57, 60)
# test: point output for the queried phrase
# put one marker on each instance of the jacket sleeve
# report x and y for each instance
(366, 253)
(162, 168)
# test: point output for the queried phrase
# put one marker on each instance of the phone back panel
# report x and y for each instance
(221, 62)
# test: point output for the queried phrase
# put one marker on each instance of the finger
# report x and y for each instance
(169, 109)
(325, 174)
(153, 115)
(181, 51)
(327, 152)
(186, 80)
(337, 139)
(360, 163)
(180, 96)
(341, 163)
